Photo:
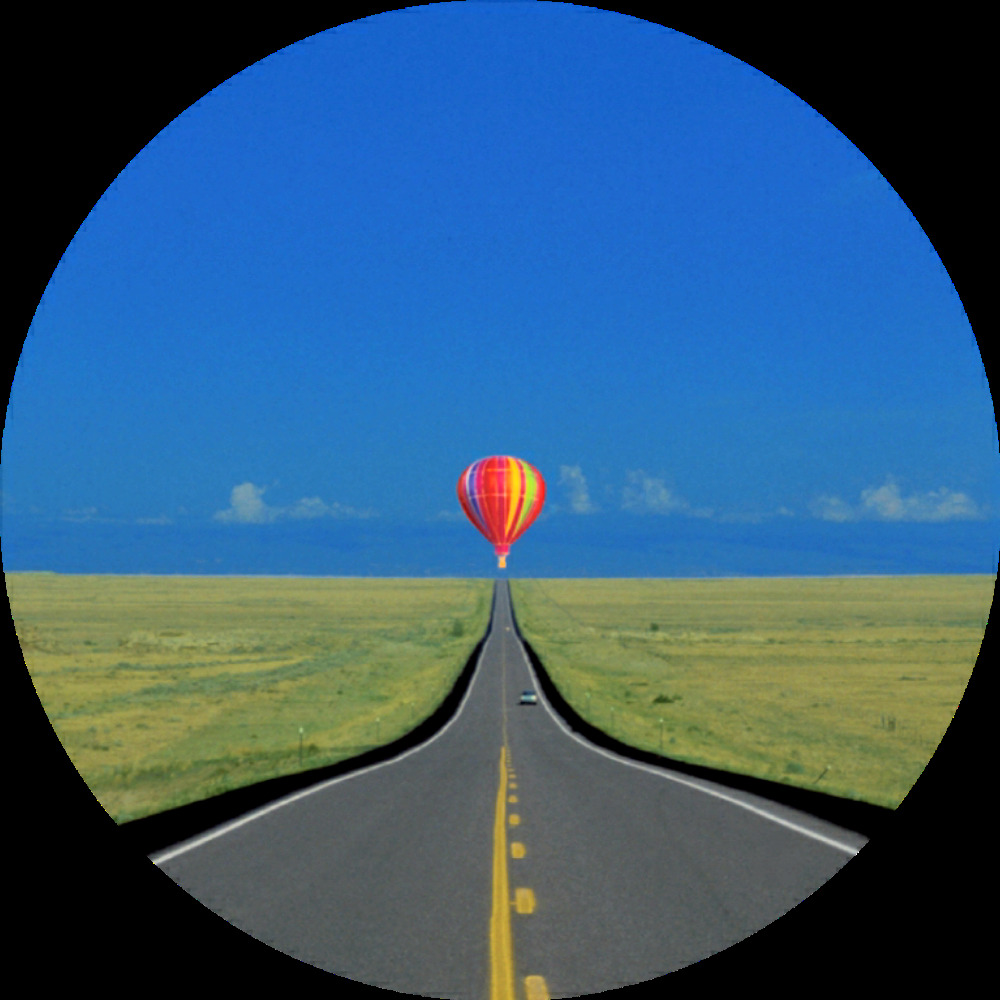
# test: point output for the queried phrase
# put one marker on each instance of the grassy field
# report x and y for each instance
(164, 690)
(842, 684)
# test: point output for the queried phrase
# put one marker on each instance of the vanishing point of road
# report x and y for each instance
(507, 859)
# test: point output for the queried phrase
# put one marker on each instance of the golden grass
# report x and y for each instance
(164, 690)
(842, 684)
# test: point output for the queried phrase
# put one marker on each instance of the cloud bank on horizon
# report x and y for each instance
(646, 494)
(247, 506)
(643, 494)
(887, 503)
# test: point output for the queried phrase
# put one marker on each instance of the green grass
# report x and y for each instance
(165, 690)
(842, 684)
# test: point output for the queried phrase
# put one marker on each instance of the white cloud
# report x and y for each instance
(645, 494)
(753, 516)
(831, 508)
(887, 503)
(572, 477)
(312, 507)
(449, 515)
(83, 514)
(247, 506)
(93, 515)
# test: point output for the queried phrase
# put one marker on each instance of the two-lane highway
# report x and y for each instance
(507, 858)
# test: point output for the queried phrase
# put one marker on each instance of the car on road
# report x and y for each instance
(528, 698)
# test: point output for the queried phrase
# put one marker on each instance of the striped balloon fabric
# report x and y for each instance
(501, 496)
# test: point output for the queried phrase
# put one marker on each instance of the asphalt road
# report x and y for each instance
(506, 858)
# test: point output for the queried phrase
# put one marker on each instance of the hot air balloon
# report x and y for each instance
(501, 496)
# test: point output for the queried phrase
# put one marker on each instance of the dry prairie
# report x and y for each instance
(164, 690)
(842, 684)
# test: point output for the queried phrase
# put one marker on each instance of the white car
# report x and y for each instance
(528, 698)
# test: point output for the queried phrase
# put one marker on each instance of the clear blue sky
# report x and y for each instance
(536, 229)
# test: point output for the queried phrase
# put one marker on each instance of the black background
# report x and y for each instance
(86, 91)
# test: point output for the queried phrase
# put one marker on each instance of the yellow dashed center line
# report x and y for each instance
(501, 935)
(535, 988)
(524, 901)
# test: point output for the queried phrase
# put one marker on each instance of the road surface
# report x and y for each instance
(507, 859)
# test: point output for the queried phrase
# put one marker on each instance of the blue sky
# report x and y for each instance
(535, 229)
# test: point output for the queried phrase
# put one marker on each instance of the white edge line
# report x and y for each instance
(846, 848)
(219, 831)
(163, 857)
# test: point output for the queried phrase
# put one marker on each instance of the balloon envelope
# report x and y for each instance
(501, 496)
